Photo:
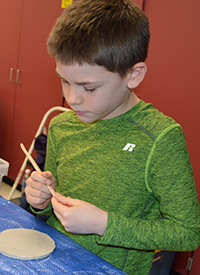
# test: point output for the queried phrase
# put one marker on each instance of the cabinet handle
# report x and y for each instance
(11, 74)
(17, 76)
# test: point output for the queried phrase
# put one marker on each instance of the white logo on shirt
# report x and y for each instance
(129, 147)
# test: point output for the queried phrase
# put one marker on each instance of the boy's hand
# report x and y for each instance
(37, 193)
(79, 216)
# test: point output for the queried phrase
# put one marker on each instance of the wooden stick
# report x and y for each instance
(35, 165)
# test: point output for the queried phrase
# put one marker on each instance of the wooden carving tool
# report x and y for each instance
(35, 165)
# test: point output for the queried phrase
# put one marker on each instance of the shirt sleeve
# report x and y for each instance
(171, 179)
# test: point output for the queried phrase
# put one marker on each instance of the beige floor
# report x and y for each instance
(5, 191)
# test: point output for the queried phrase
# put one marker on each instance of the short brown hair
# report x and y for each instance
(109, 33)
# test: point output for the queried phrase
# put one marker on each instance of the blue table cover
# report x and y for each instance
(67, 258)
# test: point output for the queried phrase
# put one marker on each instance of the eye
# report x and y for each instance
(64, 81)
(89, 89)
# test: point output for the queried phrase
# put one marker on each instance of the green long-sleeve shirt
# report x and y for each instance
(136, 167)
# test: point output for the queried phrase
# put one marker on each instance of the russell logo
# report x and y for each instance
(129, 147)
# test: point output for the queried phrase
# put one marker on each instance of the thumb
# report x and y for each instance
(62, 199)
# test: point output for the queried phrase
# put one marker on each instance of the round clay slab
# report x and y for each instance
(25, 244)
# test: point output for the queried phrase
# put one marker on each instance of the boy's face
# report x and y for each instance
(93, 92)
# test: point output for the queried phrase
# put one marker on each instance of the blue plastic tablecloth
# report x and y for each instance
(67, 258)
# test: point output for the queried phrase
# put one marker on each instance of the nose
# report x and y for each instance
(72, 96)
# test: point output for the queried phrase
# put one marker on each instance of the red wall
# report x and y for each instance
(172, 82)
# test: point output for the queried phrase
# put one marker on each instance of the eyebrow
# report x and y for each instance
(79, 83)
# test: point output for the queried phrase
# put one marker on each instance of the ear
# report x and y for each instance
(136, 75)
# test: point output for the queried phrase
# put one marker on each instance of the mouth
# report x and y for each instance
(80, 113)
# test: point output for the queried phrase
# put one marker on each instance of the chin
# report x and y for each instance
(86, 120)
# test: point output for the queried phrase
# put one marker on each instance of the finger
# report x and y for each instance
(59, 209)
(64, 200)
(50, 182)
(38, 190)
(44, 177)
(40, 181)
(36, 176)
(39, 202)
(61, 212)
(58, 206)
(48, 177)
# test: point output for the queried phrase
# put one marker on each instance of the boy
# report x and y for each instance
(118, 165)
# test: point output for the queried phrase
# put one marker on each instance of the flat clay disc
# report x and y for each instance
(25, 244)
